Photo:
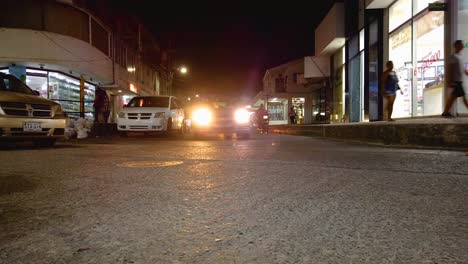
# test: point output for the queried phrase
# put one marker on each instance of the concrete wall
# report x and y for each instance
(316, 67)
(330, 34)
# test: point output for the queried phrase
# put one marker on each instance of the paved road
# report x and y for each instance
(275, 199)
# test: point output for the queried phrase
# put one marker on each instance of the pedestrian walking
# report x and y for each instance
(456, 68)
(389, 86)
(292, 115)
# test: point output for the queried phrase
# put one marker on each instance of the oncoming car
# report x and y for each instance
(151, 114)
(206, 119)
(25, 116)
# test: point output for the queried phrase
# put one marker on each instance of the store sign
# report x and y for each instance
(437, 6)
(428, 61)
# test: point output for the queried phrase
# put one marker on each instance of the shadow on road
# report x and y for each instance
(17, 146)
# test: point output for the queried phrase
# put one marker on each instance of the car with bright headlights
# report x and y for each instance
(25, 116)
(151, 114)
(211, 119)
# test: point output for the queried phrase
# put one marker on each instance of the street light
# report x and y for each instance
(183, 70)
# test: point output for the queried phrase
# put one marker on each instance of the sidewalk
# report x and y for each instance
(427, 132)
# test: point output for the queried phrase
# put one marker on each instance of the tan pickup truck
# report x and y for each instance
(25, 116)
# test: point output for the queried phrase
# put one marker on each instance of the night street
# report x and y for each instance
(272, 199)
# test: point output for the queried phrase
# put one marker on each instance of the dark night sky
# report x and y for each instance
(228, 47)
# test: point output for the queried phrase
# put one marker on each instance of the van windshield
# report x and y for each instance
(9, 83)
(149, 102)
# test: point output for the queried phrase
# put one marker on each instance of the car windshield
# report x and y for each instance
(9, 83)
(149, 102)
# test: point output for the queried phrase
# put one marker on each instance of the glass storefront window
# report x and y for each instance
(429, 72)
(90, 92)
(298, 104)
(338, 89)
(38, 83)
(400, 12)
(400, 52)
(278, 109)
(66, 91)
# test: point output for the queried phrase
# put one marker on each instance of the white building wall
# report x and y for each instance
(330, 34)
(56, 52)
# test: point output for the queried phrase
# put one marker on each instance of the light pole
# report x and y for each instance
(176, 72)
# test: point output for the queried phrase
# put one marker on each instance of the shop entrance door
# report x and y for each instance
(298, 104)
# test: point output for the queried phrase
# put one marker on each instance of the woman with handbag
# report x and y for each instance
(389, 85)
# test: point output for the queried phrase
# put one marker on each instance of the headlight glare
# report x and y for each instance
(242, 116)
(202, 117)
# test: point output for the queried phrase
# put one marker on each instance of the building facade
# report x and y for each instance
(67, 53)
(300, 84)
(417, 35)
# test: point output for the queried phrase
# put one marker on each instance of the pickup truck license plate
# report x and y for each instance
(32, 127)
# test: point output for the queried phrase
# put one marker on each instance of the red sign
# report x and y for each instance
(427, 61)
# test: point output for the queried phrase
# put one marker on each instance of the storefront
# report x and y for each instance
(416, 47)
(61, 88)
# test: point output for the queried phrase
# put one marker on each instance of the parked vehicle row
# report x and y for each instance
(25, 116)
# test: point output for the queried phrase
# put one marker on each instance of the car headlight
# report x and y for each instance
(57, 109)
(242, 116)
(202, 117)
(121, 114)
(160, 115)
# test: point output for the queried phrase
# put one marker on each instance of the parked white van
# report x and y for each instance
(151, 114)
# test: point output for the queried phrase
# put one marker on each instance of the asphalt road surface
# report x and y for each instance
(273, 199)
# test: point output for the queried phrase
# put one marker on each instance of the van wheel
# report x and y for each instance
(169, 125)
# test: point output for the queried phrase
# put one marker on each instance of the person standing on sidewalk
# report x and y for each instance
(389, 85)
(455, 78)
(292, 115)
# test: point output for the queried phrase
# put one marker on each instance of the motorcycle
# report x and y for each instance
(263, 124)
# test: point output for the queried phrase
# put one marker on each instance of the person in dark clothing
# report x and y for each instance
(292, 115)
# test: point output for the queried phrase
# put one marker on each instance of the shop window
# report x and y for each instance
(399, 13)
(361, 40)
(278, 109)
(400, 53)
(429, 43)
(298, 104)
(38, 83)
(66, 91)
